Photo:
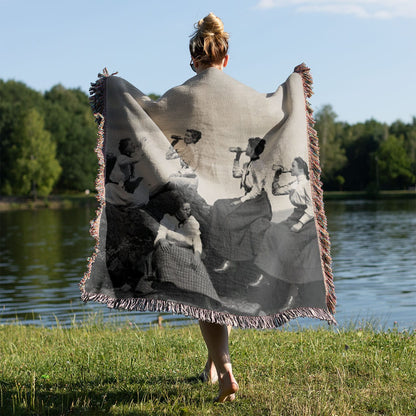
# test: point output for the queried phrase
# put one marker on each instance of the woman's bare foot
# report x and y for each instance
(205, 377)
(229, 398)
(228, 388)
(209, 375)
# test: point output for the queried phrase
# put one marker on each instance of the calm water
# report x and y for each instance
(43, 257)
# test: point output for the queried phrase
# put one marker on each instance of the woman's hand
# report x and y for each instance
(236, 202)
(164, 244)
(296, 227)
(196, 260)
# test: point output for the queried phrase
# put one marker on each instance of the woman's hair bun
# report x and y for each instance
(211, 25)
(209, 42)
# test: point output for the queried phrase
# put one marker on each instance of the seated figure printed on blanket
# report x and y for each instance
(121, 181)
(177, 255)
(172, 263)
(185, 176)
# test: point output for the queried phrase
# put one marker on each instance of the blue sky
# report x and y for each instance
(361, 53)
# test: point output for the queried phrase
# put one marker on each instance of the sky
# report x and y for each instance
(362, 53)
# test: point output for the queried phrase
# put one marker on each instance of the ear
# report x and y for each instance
(225, 61)
(196, 63)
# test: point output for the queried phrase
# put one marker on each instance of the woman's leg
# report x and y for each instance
(210, 374)
(216, 339)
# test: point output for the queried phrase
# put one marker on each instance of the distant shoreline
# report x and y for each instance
(63, 201)
(344, 195)
(66, 201)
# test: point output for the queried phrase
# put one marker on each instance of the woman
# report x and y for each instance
(209, 49)
(226, 113)
(121, 178)
(178, 250)
(185, 176)
(238, 224)
(291, 244)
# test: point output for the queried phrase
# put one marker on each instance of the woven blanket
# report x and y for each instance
(210, 202)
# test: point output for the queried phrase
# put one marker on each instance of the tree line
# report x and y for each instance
(47, 143)
(369, 156)
(47, 140)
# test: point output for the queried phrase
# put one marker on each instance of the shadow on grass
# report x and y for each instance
(99, 396)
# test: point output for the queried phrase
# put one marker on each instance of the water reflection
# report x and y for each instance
(43, 257)
(374, 260)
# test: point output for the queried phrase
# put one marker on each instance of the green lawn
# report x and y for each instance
(108, 369)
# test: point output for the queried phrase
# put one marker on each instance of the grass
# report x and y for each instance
(108, 369)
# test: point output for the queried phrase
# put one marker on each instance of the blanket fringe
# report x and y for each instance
(317, 193)
(97, 93)
(97, 102)
(223, 318)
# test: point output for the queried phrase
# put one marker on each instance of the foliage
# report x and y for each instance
(71, 130)
(106, 369)
(365, 156)
(153, 96)
(358, 157)
(332, 154)
(69, 119)
(394, 163)
(15, 100)
(34, 165)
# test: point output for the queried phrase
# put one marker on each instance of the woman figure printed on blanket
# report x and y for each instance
(181, 229)
(253, 173)
(289, 251)
(121, 180)
(177, 257)
(185, 176)
(238, 224)
(299, 192)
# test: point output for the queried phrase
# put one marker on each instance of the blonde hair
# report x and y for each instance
(209, 42)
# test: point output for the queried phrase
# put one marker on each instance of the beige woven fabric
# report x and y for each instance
(214, 179)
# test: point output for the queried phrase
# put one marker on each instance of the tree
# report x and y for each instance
(15, 92)
(394, 164)
(15, 99)
(8, 116)
(154, 96)
(71, 123)
(408, 133)
(332, 154)
(34, 166)
(361, 142)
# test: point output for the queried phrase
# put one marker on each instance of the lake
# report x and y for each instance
(43, 257)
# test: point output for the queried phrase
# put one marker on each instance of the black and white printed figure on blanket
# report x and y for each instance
(211, 209)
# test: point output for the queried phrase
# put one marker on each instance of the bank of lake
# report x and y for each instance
(70, 200)
(105, 369)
